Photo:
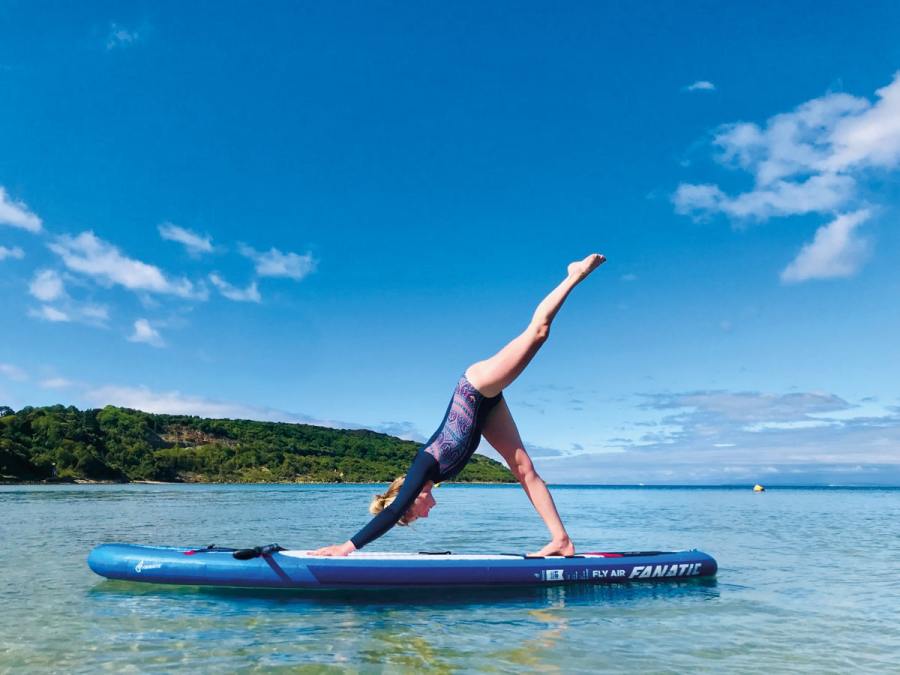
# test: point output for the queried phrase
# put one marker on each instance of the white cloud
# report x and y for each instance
(871, 138)
(249, 294)
(90, 255)
(71, 311)
(725, 436)
(12, 372)
(47, 286)
(817, 194)
(812, 159)
(274, 263)
(629, 277)
(748, 407)
(120, 37)
(94, 313)
(144, 332)
(56, 383)
(806, 160)
(193, 242)
(405, 430)
(167, 403)
(779, 426)
(17, 214)
(14, 252)
(701, 85)
(48, 313)
(836, 251)
(177, 403)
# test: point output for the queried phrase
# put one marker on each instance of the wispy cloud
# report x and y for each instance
(93, 313)
(146, 333)
(249, 294)
(274, 263)
(49, 313)
(714, 436)
(405, 430)
(56, 383)
(836, 251)
(816, 194)
(178, 403)
(15, 252)
(813, 159)
(47, 286)
(68, 310)
(746, 407)
(89, 255)
(17, 214)
(701, 85)
(13, 372)
(194, 243)
(120, 36)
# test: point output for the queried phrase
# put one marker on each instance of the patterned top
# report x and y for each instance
(455, 441)
(442, 457)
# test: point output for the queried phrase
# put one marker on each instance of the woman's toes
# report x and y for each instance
(581, 268)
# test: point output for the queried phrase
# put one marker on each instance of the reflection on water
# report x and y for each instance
(471, 596)
(793, 592)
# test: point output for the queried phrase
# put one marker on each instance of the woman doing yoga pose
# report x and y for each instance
(477, 409)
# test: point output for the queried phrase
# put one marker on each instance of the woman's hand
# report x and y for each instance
(338, 550)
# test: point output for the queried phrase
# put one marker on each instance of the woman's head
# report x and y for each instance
(419, 509)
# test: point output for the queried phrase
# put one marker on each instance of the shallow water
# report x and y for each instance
(809, 581)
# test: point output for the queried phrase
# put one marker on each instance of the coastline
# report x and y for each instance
(86, 481)
(555, 486)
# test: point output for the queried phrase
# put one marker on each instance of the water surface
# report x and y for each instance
(809, 581)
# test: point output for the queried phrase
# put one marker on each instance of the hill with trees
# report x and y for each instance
(118, 444)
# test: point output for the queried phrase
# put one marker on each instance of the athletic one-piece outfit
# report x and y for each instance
(441, 458)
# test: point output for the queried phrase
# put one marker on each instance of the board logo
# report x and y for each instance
(552, 575)
(674, 570)
(141, 566)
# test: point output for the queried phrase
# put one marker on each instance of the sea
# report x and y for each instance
(808, 581)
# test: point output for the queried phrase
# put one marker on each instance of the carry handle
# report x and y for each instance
(257, 551)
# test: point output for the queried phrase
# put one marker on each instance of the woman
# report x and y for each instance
(477, 408)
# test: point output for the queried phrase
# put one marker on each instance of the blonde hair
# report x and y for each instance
(381, 502)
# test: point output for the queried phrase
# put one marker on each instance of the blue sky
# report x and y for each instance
(325, 212)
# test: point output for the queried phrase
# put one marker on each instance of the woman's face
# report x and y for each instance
(424, 502)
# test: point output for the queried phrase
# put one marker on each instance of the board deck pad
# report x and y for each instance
(211, 566)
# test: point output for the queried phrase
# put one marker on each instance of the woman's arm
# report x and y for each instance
(419, 474)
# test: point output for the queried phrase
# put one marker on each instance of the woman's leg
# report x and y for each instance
(501, 432)
(492, 376)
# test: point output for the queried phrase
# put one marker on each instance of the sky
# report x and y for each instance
(324, 212)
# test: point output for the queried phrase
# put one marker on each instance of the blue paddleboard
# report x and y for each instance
(298, 569)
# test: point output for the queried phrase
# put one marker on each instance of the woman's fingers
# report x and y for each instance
(329, 551)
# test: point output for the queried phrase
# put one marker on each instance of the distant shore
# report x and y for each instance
(113, 445)
(605, 486)
(85, 481)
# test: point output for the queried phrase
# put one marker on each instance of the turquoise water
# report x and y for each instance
(809, 581)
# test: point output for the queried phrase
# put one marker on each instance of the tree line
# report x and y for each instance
(119, 444)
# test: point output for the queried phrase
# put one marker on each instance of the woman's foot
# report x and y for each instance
(561, 547)
(581, 268)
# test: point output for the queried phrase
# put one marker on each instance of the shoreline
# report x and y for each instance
(87, 481)
(606, 486)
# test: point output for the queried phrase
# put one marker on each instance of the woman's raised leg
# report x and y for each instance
(493, 375)
(501, 432)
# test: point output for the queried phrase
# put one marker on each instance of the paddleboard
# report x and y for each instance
(214, 566)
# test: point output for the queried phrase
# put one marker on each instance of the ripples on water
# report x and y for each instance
(808, 582)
